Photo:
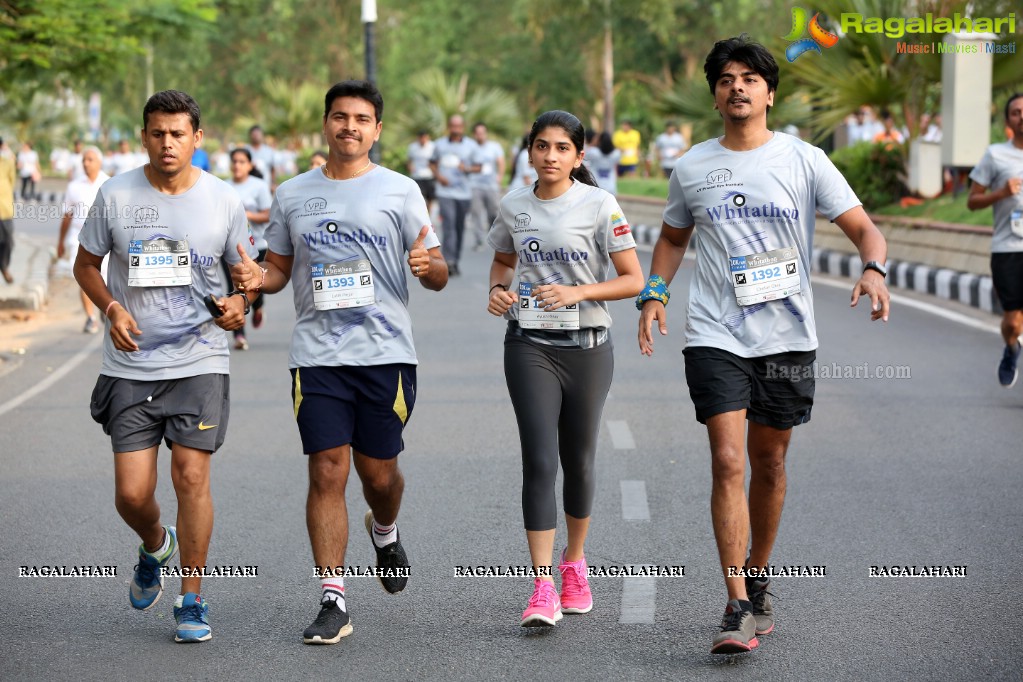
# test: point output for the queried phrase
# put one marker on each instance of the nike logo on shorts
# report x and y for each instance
(204, 427)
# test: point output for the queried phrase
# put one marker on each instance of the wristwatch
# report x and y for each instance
(876, 267)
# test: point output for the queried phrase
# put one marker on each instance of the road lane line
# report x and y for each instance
(639, 597)
(54, 376)
(950, 315)
(621, 436)
(634, 504)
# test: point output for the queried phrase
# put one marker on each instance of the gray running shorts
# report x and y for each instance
(192, 411)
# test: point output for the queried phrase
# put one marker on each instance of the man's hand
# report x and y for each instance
(418, 255)
(872, 284)
(234, 312)
(122, 328)
(500, 301)
(246, 275)
(652, 310)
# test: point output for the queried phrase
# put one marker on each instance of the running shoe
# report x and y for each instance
(91, 326)
(575, 588)
(763, 611)
(330, 625)
(544, 608)
(257, 318)
(391, 558)
(193, 619)
(1007, 372)
(738, 630)
(147, 584)
(240, 343)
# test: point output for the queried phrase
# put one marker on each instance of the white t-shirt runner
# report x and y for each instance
(448, 156)
(754, 213)
(78, 199)
(179, 338)
(332, 228)
(567, 240)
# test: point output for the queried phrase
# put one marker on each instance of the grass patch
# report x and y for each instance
(643, 187)
(945, 209)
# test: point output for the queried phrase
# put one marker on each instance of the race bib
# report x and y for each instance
(159, 263)
(342, 285)
(533, 316)
(1016, 222)
(767, 276)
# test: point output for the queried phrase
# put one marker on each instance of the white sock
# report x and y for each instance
(384, 535)
(334, 590)
(162, 550)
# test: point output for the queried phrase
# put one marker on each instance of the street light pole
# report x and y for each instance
(369, 18)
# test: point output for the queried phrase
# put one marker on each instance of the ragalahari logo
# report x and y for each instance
(819, 36)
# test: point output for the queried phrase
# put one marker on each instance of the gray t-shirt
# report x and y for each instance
(604, 168)
(419, 156)
(255, 196)
(566, 240)
(448, 155)
(263, 160)
(486, 156)
(179, 338)
(745, 203)
(999, 163)
(669, 146)
(375, 217)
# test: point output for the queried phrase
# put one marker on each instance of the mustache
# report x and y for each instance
(745, 100)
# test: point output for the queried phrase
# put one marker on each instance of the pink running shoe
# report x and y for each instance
(575, 588)
(544, 607)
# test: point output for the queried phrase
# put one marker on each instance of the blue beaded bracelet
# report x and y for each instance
(656, 289)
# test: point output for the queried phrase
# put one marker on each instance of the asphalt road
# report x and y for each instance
(918, 470)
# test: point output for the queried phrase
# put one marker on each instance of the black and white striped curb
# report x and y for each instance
(967, 288)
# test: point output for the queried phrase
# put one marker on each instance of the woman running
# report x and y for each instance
(554, 244)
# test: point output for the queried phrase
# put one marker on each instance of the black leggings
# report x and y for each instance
(558, 395)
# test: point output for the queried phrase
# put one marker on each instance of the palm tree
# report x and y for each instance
(437, 98)
(289, 111)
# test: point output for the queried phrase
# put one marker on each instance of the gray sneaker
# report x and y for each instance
(738, 630)
(763, 611)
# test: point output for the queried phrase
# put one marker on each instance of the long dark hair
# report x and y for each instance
(605, 143)
(253, 171)
(576, 133)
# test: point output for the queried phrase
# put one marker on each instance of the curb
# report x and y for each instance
(35, 288)
(967, 288)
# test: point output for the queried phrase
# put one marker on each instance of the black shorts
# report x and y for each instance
(365, 407)
(775, 390)
(428, 188)
(192, 411)
(1007, 277)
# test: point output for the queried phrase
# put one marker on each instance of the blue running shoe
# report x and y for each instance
(193, 619)
(147, 583)
(1007, 371)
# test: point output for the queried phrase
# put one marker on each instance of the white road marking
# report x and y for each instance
(634, 503)
(54, 377)
(621, 436)
(950, 315)
(639, 597)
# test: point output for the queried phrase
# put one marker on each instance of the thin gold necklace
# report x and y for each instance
(354, 175)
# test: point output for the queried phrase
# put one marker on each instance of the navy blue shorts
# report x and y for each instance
(365, 407)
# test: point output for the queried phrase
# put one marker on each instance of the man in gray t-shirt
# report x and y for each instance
(750, 336)
(998, 182)
(669, 146)
(342, 234)
(486, 174)
(166, 227)
(452, 159)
